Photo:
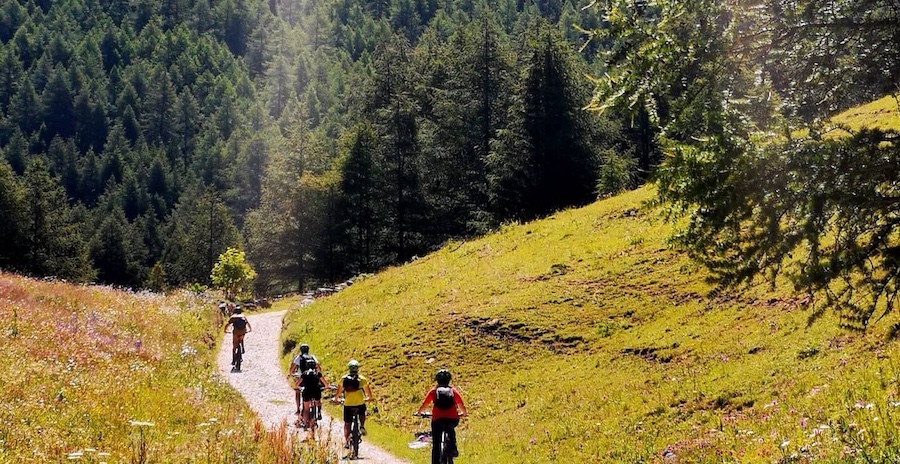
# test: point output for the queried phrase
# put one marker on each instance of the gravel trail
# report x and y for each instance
(266, 388)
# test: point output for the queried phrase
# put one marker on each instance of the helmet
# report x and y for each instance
(311, 364)
(443, 377)
(353, 365)
(304, 348)
(238, 310)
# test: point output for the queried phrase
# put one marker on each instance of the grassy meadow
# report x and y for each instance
(95, 374)
(584, 338)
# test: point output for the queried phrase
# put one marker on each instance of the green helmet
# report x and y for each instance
(353, 365)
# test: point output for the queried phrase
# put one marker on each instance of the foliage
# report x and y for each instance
(583, 337)
(181, 115)
(232, 274)
(729, 88)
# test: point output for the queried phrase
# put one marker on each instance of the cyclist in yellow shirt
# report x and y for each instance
(355, 389)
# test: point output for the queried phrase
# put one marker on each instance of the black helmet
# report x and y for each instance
(238, 310)
(304, 348)
(311, 364)
(443, 377)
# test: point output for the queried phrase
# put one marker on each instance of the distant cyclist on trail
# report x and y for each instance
(239, 327)
(355, 389)
(298, 365)
(445, 414)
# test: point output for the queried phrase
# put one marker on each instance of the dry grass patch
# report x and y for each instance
(100, 375)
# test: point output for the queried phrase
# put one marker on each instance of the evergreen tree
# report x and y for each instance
(357, 210)
(393, 112)
(58, 106)
(199, 230)
(159, 109)
(116, 251)
(26, 108)
(52, 237)
(557, 163)
(11, 74)
(12, 219)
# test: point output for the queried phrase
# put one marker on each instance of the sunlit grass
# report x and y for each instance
(95, 374)
(881, 114)
(583, 337)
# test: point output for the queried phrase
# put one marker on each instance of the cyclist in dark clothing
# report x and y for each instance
(445, 413)
(312, 382)
(240, 326)
(298, 365)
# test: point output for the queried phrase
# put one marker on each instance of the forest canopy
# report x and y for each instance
(140, 140)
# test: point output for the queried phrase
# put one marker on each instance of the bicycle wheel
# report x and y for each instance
(447, 449)
(237, 358)
(311, 421)
(355, 437)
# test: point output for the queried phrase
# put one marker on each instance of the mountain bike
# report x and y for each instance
(446, 448)
(355, 435)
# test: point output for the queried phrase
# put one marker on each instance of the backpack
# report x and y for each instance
(311, 380)
(303, 361)
(239, 323)
(351, 383)
(443, 398)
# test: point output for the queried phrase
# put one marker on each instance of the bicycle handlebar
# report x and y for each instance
(427, 415)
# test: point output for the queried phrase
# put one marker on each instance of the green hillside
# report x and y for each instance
(584, 337)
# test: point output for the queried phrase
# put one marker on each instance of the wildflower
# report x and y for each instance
(187, 350)
(533, 440)
(785, 444)
(134, 423)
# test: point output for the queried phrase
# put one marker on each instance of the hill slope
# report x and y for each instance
(583, 337)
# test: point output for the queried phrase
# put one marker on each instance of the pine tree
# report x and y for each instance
(52, 236)
(12, 219)
(393, 111)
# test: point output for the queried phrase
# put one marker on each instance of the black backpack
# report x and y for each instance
(351, 382)
(304, 361)
(239, 323)
(311, 380)
(443, 398)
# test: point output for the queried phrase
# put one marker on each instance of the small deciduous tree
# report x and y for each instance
(232, 273)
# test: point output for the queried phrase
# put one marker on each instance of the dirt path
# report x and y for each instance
(266, 388)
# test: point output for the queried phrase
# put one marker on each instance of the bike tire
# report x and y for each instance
(446, 455)
(355, 437)
(237, 358)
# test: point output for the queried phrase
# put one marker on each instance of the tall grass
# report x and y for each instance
(100, 375)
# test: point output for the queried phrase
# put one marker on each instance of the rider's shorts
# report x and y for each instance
(310, 394)
(349, 410)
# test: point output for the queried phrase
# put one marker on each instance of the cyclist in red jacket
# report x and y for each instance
(445, 413)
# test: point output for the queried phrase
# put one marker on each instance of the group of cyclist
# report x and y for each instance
(354, 391)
